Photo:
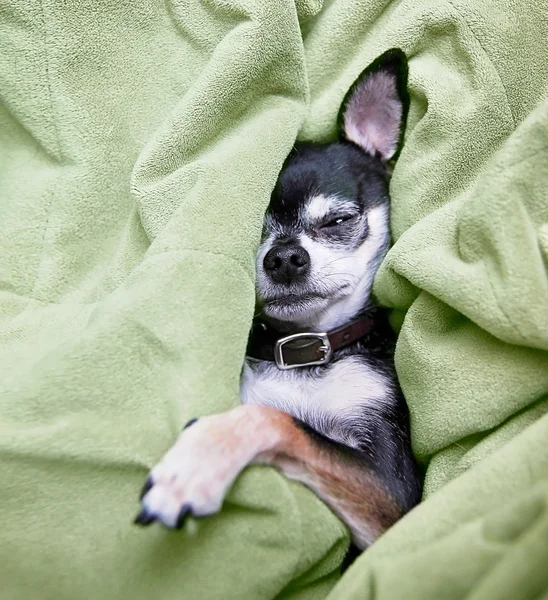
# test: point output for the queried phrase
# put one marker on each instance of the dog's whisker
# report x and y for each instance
(336, 260)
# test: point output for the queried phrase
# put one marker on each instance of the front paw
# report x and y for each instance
(192, 478)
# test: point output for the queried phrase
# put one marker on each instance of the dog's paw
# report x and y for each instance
(193, 477)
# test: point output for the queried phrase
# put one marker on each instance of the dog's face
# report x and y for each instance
(327, 227)
(324, 235)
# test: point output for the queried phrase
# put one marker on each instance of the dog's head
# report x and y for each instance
(327, 227)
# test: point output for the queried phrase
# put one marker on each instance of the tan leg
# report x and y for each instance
(197, 472)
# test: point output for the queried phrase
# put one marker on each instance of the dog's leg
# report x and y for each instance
(195, 475)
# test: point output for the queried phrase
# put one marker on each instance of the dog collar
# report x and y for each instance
(303, 349)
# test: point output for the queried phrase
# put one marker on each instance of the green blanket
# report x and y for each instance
(139, 142)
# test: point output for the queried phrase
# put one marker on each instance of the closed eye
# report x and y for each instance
(337, 221)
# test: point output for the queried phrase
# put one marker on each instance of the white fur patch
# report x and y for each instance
(341, 391)
(319, 207)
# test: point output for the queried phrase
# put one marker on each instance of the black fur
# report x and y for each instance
(381, 435)
(340, 168)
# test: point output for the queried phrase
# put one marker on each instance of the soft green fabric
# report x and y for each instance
(139, 142)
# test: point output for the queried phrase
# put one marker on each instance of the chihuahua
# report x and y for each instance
(319, 395)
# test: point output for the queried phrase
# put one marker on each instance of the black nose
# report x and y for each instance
(285, 264)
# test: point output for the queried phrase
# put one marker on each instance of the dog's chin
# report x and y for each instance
(294, 308)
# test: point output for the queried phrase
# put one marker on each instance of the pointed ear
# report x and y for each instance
(374, 110)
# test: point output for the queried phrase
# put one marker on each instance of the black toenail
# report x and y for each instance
(183, 513)
(191, 422)
(144, 518)
(146, 488)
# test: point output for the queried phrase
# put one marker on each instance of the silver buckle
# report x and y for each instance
(325, 348)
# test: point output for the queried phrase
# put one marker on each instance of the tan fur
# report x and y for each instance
(200, 468)
(342, 482)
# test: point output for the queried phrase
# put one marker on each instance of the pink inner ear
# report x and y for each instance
(373, 115)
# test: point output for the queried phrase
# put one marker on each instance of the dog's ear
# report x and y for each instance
(374, 110)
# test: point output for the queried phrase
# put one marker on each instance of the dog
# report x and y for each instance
(320, 398)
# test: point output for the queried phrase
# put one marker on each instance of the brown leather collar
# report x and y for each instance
(305, 349)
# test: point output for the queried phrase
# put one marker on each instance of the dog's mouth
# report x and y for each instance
(292, 306)
(291, 300)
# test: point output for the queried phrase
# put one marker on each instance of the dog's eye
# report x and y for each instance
(337, 221)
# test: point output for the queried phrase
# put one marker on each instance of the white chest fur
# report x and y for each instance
(323, 398)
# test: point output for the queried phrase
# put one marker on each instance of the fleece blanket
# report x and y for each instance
(139, 143)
